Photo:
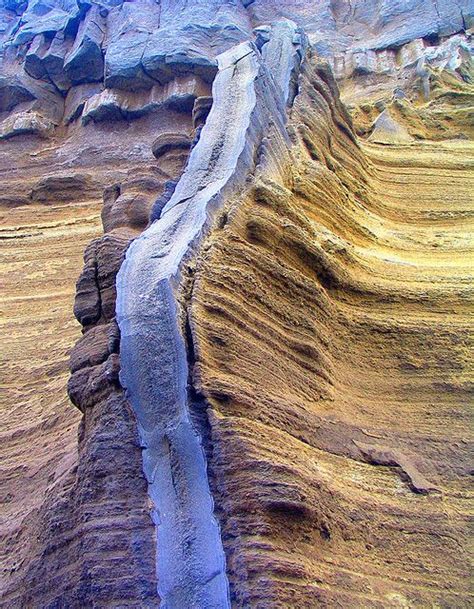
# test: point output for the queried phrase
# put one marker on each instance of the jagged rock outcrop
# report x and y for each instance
(273, 380)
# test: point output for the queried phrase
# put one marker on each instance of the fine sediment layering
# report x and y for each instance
(274, 379)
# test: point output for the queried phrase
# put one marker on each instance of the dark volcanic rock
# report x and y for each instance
(426, 18)
(87, 308)
(95, 291)
(85, 62)
(55, 20)
(129, 27)
(94, 556)
(45, 60)
(12, 93)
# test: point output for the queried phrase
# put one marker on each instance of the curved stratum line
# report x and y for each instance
(190, 557)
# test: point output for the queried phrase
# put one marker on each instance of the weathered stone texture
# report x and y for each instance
(292, 183)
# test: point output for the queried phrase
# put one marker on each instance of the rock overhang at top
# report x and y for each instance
(141, 35)
(135, 46)
(175, 40)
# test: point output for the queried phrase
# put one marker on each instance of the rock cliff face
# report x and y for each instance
(274, 208)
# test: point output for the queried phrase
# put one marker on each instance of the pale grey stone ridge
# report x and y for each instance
(190, 560)
(154, 352)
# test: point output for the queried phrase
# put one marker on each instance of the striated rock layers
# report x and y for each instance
(274, 378)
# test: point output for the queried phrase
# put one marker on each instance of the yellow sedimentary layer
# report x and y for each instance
(331, 321)
(42, 249)
(55, 528)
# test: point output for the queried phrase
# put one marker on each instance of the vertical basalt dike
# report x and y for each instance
(155, 372)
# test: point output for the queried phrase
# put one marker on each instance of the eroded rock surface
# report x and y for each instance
(274, 376)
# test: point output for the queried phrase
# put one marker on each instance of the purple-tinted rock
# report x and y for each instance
(13, 92)
(45, 60)
(85, 63)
